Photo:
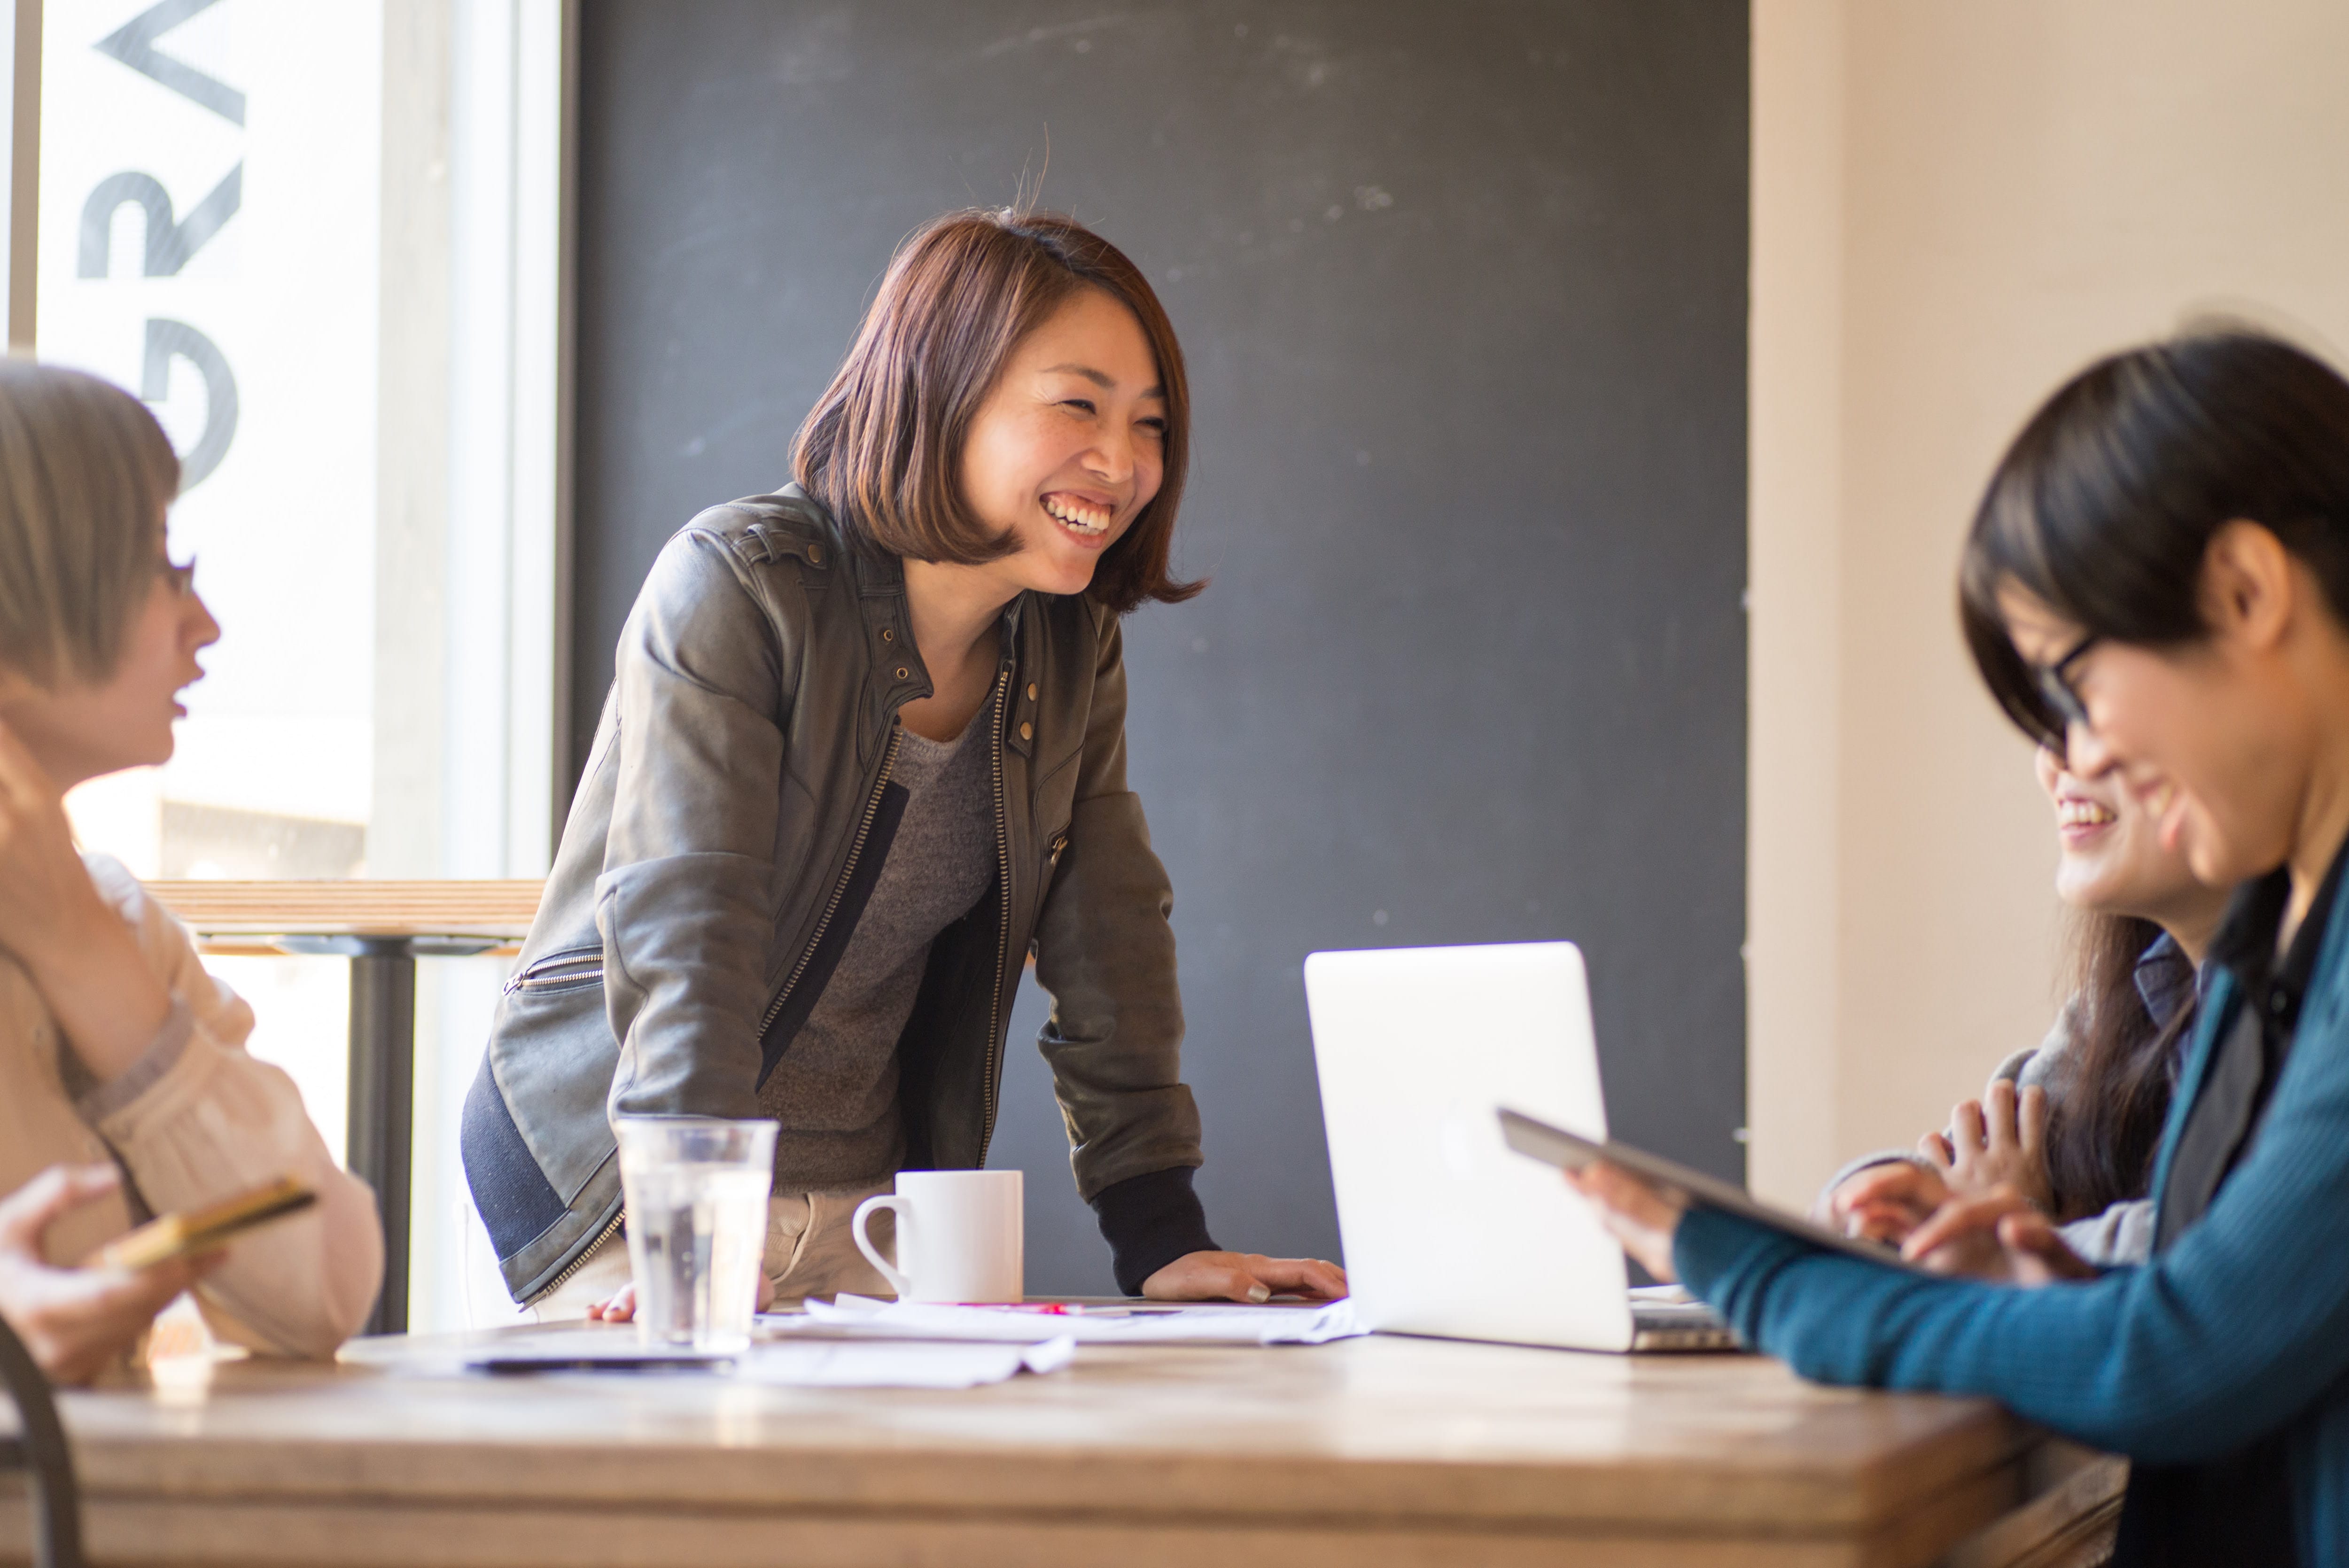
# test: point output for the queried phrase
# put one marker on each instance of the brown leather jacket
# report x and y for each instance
(734, 814)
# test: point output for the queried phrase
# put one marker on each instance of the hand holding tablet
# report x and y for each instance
(1675, 1185)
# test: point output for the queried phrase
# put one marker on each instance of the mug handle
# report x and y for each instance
(897, 1282)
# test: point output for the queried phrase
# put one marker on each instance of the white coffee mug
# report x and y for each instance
(959, 1236)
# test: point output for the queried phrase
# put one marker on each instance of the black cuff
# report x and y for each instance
(1149, 1222)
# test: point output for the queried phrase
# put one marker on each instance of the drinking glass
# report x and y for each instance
(696, 1196)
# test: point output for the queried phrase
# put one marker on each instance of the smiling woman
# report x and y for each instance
(2072, 1125)
(2156, 582)
(956, 345)
(864, 752)
(2097, 569)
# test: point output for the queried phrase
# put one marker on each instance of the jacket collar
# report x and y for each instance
(899, 675)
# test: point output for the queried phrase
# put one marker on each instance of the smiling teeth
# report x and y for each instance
(1077, 515)
(2082, 814)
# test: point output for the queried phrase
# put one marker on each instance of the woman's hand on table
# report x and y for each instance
(1635, 1213)
(1885, 1202)
(76, 1321)
(1999, 1235)
(1244, 1276)
(1194, 1276)
(622, 1306)
(1997, 1141)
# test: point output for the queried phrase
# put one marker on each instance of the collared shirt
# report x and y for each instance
(2167, 982)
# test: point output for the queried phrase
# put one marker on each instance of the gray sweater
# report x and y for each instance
(834, 1091)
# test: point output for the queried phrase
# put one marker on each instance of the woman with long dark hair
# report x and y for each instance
(2072, 1124)
(863, 757)
(2108, 1092)
(2159, 580)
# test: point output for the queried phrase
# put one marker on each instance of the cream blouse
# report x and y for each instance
(193, 1120)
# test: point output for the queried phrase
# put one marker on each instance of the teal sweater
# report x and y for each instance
(2239, 1330)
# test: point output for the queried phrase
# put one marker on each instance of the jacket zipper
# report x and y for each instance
(575, 1264)
(1003, 932)
(556, 970)
(840, 889)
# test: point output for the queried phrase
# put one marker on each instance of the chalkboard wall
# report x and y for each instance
(1462, 289)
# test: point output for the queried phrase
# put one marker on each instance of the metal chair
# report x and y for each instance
(40, 1447)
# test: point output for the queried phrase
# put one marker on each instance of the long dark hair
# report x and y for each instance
(2105, 505)
(2108, 1101)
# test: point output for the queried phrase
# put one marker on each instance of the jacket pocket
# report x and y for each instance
(552, 1056)
(1056, 844)
(570, 970)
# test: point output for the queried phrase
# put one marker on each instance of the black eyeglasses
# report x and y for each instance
(2054, 682)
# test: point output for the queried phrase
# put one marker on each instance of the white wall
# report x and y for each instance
(1955, 207)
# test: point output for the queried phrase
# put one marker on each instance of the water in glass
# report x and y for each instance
(696, 1224)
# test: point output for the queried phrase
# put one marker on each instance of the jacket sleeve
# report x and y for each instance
(196, 1120)
(682, 903)
(2239, 1326)
(1105, 954)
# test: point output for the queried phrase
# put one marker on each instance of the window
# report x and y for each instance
(322, 242)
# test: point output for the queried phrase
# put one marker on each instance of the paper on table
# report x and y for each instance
(864, 1363)
(1203, 1325)
(850, 1363)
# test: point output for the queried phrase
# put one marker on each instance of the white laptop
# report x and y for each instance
(1446, 1230)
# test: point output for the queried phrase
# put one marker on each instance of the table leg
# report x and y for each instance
(382, 1106)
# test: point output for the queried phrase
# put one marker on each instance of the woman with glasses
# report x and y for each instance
(125, 1087)
(2159, 580)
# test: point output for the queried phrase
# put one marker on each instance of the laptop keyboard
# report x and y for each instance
(1679, 1326)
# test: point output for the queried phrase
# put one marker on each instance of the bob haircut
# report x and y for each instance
(882, 447)
(2105, 506)
(85, 476)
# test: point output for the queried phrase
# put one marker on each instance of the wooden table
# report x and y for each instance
(1371, 1453)
(383, 928)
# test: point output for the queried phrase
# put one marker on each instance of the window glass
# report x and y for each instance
(317, 237)
(208, 211)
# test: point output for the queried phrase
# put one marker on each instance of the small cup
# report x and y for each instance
(961, 1236)
(696, 1196)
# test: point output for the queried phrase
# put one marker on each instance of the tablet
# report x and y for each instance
(203, 1229)
(1571, 1151)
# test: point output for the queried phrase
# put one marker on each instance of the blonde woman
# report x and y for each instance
(125, 1087)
